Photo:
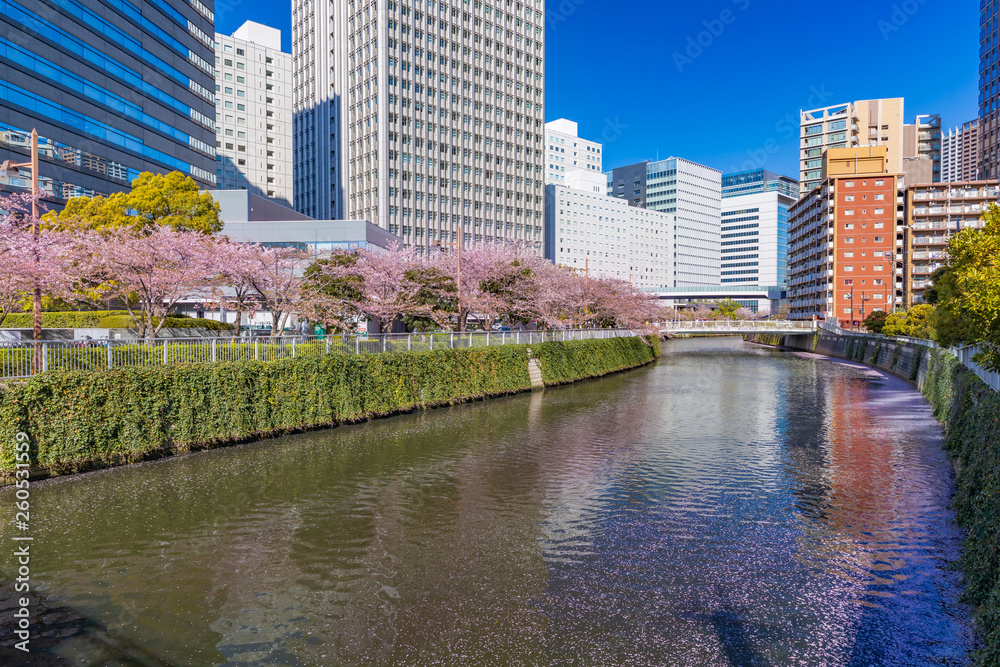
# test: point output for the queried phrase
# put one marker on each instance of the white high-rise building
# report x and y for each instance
(566, 151)
(755, 206)
(604, 236)
(253, 112)
(960, 153)
(422, 117)
(693, 193)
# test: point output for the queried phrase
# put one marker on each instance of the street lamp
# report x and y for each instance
(861, 308)
(9, 168)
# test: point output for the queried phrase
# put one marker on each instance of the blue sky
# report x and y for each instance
(721, 82)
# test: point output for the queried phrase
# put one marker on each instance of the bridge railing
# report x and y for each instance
(737, 325)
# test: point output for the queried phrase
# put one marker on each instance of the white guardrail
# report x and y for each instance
(17, 359)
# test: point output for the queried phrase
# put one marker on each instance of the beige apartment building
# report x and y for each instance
(914, 149)
(933, 213)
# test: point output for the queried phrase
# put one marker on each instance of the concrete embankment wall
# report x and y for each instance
(970, 412)
(904, 360)
(76, 421)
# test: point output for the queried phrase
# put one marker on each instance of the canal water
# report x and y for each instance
(729, 505)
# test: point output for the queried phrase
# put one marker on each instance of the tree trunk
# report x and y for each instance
(237, 328)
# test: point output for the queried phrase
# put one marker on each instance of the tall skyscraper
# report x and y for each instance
(592, 232)
(253, 88)
(989, 90)
(693, 193)
(425, 118)
(565, 151)
(869, 123)
(846, 239)
(113, 88)
(960, 153)
(754, 237)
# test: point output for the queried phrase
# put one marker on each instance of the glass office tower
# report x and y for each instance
(114, 88)
(989, 89)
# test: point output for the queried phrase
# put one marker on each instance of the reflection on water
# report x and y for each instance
(730, 505)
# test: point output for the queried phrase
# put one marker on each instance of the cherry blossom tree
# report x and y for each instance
(497, 281)
(31, 263)
(150, 272)
(277, 275)
(387, 284)
(239, 266)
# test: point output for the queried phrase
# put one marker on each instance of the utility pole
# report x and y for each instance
(851, 297)
(6, 168)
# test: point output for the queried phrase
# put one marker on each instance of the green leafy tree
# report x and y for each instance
(875, 322)
(968, 294)
(727, 308)
(952, 329)
(336, 293)
(917, 322)
(436, 289)
(166, 200)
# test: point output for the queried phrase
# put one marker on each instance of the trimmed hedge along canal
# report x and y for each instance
(86, 419)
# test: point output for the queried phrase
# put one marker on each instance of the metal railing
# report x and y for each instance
(965, 355)
(97, 355)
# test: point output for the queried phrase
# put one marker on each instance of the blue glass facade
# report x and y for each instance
(758, 180)
(114, 88)
(989, 89)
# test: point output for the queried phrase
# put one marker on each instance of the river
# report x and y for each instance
(728, 505)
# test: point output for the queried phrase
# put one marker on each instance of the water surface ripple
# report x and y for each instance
(730, 505)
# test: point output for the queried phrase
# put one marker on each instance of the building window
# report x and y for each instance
(848, 184)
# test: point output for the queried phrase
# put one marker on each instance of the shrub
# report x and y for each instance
(87, 319)
(875, 321)
(173, 322)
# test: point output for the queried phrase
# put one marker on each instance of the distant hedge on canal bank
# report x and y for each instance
(970, 412)
(83, 420)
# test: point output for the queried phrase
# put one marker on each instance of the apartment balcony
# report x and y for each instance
(925, 269)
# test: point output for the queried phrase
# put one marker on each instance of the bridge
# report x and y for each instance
(735, 327)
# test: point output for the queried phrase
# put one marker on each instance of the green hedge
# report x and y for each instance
(125, 322)
(103, 319)
(970, 411)
(576, 360)
(71, 319)
(79, 420)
